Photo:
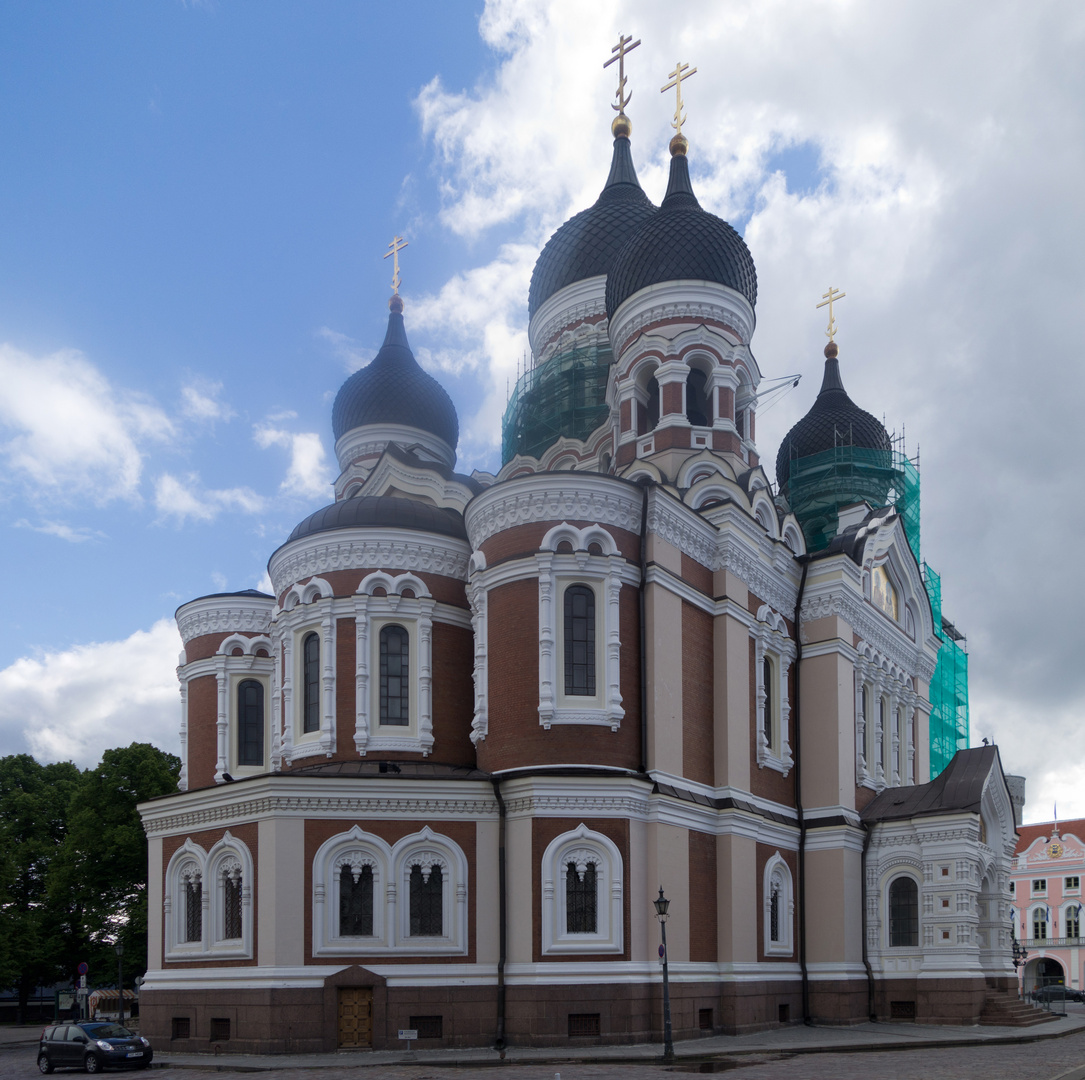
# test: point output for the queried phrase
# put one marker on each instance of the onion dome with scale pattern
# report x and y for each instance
(587, 244)
(681, 242)
(393, 389)
(833, 420)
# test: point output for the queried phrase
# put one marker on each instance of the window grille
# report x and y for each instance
(356, 902)
(774, 913)
(250, 723)
(428, 1027)
(220, 1028)
(902, 1010)
(704, 1019)
(180, 1027)
(766, 675)
(193, 910)
(426, 901)
(581, 1024)
(231, 899)
(394, 675)
(579, 641)
(903, 913)
(311, 679)
(581, 900)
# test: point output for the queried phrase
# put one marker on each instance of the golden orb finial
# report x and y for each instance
(679, 145)
(831, 351)
(395, 303)
(621, 126)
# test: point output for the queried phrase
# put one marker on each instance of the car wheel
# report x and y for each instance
(93, 1063)
(44, 1064)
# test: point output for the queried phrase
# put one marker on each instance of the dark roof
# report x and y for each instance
(382, 511)
(681, 241)
(393, 389)
(957, 788)
(833, 420)
(405, 770)
(587, 244)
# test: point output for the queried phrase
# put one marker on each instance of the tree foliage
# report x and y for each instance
(73, 865)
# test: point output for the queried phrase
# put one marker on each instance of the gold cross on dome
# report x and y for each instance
(394, 248)
(681, 71)
(622, 48)
(828, 298)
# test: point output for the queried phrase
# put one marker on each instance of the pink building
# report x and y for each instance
(1045, 890)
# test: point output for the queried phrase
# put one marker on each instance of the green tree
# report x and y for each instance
(34, 803)
(98, 882)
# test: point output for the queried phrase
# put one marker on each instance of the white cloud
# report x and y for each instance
(950, 141)
(62, 531)
(182, 499)
(65, 428)
(75, 703)
(200, 401)
(350, 352)
(307, 474)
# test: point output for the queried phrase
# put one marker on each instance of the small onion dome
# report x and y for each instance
(382, 511)
(681, 242)
(586, 245)
(393, 389)
(833, 420)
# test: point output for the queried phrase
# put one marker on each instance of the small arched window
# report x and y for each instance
(903, 913)
(250, 722)
(193, 893)
(231, 900)
(579, 641)
(395, 645)
(698, 408)
(581, 900)
(356, 901)
(427, 893)
(310, 648)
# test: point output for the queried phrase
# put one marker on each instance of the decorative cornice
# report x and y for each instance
(224, 615)
(563, 496)
(681, 528)
(575, 303)
(763, 581)
(373, 438)
(357, 549)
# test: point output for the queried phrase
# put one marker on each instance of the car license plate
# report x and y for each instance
(135, 1053)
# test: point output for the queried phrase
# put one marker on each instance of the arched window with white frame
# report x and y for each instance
(351, 895)
(582, 875)
(431, 875)
(774, 652)
(779, 907)
(903, 901)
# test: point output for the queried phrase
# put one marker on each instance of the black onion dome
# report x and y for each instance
(586, 245)
(382, 511)
(833, 420)
(393, 389)
(681, 241)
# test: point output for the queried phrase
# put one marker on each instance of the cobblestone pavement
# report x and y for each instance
(1062, 1058)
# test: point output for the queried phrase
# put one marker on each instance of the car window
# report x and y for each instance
(50, 1033)
(107, 1031)
(74, 1034)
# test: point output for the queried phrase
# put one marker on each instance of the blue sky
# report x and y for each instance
(196, 198)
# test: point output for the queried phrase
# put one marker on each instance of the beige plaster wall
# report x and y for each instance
(827, 700)
(487, 901)
(518, 884)
(834, 907)
(668, 865)
(736, 892)
(155, 892)
(280, 905)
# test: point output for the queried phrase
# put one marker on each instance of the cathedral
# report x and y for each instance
(436, 781)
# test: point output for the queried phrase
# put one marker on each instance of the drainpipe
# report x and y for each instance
(643, 635)
(872, 1011)
(499, 1039)
(796, 715)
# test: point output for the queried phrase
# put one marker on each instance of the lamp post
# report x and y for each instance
(120, 983)
(662, 904)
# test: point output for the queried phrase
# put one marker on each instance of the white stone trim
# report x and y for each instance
(477, 595)
(777, 876)
(371, 439)
(583, 299)
(581, 846)
(771, 640)
(223, 614)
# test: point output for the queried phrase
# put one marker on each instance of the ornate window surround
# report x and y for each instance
(892, 875)
(582, 846)
(229, 672)
(603, 574)
(391, 866)
(778, 873)
(415, 615)
(771, 640)
(877, 751)
(228, 855)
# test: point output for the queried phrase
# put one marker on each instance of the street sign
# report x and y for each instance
(82, 982)
(408, 1033)
(82, 969)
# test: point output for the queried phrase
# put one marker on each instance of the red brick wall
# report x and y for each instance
(671, 398)
(200, 648)
(700, 577)
(543, 830)
(453, 690)
(697, 690)
(702, 898)
(460, 832)
(202, 731)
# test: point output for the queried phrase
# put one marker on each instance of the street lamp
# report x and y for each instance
(120, 983)
(662, 904)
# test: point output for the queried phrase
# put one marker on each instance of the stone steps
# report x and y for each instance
(1003, 1009)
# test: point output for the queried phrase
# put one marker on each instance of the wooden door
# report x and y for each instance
(355, 1016)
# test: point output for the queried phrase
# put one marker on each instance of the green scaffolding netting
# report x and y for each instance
(566, 396)
(949, 685)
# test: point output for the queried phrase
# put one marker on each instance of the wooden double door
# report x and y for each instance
(355, 1017)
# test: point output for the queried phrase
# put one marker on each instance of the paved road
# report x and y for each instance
(1062, 1058)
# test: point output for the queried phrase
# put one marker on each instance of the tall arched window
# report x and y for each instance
(193, 891)
(652, 408)
(250, 722)
(581, 900)
(356, 901)
(1039, 924)
(394, 676)
(886, 737)
(903, 913)
(698, 409)
(579, 641)
(868, 731)
(311, 680)
(767, 675)
(426, 901)
(231, 899)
